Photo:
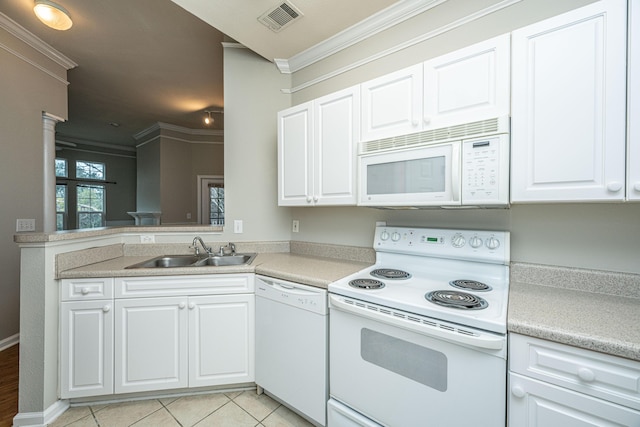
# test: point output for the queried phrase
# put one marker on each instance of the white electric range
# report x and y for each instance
(427, 322)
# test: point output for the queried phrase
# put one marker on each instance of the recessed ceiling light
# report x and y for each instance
(52, 14)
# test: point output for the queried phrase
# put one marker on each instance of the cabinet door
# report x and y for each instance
(295, 134)
(86, 348)
(568, 106)
(336, 135)
(151, 344)
(534, 403)
(633, 119)
(221, 340)
(470, 84)
(392, 104)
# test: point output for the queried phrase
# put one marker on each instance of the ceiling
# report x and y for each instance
(146, 61)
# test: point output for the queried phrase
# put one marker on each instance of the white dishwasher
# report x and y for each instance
(291, 345)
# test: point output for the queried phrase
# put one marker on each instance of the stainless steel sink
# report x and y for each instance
(173, 261)
(217, 260)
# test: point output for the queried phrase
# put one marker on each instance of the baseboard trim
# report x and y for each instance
(41, 419)
(9, 342)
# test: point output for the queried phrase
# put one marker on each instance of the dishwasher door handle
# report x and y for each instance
(290, 289)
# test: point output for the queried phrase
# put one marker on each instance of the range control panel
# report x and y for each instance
(471, 245)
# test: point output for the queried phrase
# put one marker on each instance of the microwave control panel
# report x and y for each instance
(485, 170)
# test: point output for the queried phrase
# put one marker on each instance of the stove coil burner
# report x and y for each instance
(471, 285)
(390, 273)
(366, 284)
(457, 299)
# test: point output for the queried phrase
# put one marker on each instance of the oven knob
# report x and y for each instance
(458, 241)
(395, 236)
(475, 242)
(384, 235)
(493, 243)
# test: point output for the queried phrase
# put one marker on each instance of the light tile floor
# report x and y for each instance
(235, 409)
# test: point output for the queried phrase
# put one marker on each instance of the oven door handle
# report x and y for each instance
(389, 316)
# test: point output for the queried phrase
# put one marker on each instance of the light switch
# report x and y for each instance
(237, 226)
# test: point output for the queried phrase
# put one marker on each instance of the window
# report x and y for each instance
(85, 188)
(211, 199)
(216, 204)
(62, 171)
(61, 206)
(90, 206)
(61, 168)
(89, 170)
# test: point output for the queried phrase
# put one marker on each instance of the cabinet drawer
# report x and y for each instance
(86, 289)
(600, 375)
(537, 404)
(218, 284)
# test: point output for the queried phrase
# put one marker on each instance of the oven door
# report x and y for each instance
(401, 376)
(427, 176)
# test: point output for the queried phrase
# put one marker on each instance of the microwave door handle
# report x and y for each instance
(455, 171)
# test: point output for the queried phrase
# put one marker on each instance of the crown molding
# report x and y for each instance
(166, 126)
(73, 141)
(387, 18)
(416, 40)
(21, 33)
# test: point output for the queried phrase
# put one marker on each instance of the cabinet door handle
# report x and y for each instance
(586, 375)
(192, 305)
(426, 120)
(182, 305)
(106, 308)
(518, 391)
(315, 198)
(309, 199)
(614, 186)
(84, 291)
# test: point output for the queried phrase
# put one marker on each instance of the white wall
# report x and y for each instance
(252, 99)
(30, 83)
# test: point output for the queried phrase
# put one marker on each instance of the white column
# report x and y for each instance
(49, 170)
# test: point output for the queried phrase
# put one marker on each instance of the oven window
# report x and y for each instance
(421, 364)
(425, 175)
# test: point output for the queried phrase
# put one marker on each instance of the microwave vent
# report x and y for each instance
(466, 130)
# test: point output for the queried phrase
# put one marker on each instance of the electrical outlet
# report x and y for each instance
(25, 225)
(237, 226)
(147, 238)
(188, 215)
(295, 226)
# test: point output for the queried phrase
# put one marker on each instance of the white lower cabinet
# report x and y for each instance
(86, 347)
(155, 338)
(221, 340)
(151, 344)
(552, 384)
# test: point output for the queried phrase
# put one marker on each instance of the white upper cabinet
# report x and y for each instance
(568, 106)
(392, 104)
(295, 135)
(633, 118)
(468, 85)
(317, 144)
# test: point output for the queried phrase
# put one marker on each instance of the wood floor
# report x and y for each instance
(8, 385)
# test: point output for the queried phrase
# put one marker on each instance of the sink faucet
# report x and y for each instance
(194, 245)
(229, 249)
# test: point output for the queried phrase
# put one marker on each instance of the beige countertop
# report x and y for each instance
(305, 269)
(594, 310)
(607, 321)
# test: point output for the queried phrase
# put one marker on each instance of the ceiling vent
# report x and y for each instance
(281, 16)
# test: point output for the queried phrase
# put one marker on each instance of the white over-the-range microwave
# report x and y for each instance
(463, 165)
